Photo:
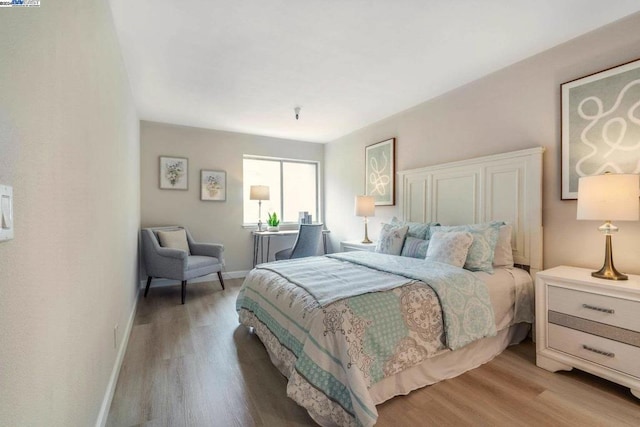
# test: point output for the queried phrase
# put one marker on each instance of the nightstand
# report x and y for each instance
(356, 245)
(590, 324)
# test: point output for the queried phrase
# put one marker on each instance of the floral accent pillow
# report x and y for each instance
(391, 239)
(414, 248)
(450, 247)
(481, 252)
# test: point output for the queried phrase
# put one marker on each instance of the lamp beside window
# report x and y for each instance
(365, 206)
(259, 193)
(609, 197)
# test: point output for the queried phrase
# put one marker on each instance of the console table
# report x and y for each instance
(258, 242)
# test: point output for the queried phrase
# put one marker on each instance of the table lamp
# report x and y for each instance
(365, 206)
(259, 193)
(608, 197)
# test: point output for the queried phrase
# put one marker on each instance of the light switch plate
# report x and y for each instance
(6, 212)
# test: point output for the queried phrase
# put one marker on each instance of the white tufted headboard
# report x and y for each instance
(504, 187)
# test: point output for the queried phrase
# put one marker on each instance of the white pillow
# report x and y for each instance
(449, 247)
(174, 239)
(503, 255)
(391, 239)
(485, 236)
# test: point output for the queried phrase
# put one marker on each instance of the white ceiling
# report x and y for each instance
(244, 65)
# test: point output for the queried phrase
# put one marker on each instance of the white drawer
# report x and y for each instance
(622, 357)
(612, 311)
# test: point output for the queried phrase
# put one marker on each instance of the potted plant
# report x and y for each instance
(273, 222)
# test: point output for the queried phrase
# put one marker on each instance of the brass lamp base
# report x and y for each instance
(608, 270)
(366, 234)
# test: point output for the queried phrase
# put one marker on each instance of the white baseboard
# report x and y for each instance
(111, 386)
(157, 283)
(113, 380)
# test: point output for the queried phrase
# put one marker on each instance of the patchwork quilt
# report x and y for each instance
(335, 325)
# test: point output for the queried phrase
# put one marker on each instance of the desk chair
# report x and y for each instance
(306, 243)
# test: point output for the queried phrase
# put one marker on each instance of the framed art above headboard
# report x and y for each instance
(506, 187)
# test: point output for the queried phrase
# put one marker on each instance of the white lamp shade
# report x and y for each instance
(365, 206)
(609, 197)
(259, 192)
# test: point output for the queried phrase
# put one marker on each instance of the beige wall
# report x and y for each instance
(214, 150)
(515, 108)
(69, 147)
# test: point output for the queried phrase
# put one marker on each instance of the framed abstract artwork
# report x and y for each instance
(600, 125)
(174, 173)
(380, 170)
(213, 185)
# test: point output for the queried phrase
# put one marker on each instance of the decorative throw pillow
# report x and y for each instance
(485, 236)
(414, 248)
(503, 255)
(419, 230)
(450, 248)
(391, 239)
(174, 239)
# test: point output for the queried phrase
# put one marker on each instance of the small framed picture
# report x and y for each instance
(380, 162)
(213, 185)
(174, 173)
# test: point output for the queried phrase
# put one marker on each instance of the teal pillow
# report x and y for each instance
(418, 230)
(481, 252)
(415, 248)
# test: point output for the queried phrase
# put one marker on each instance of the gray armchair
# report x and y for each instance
(176, 264)
(306, 244)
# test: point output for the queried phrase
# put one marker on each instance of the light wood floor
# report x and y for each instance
(194, 365)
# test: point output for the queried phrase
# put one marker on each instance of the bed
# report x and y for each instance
(352, 330)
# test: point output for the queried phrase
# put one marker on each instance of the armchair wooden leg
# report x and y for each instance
(146, 290)
(184, 290)
(221, 281)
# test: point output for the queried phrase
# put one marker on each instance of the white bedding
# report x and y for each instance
(511, 293)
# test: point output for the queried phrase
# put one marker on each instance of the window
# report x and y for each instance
(293, 188)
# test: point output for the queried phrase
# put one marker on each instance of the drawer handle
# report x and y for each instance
(595, 350)
(603, 310)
